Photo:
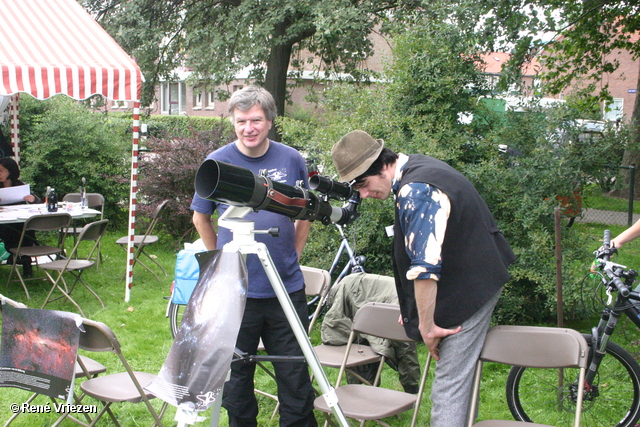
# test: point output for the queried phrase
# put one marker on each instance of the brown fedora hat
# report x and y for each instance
(354, 153)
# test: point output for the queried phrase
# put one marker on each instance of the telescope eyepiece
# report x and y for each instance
(330, 188)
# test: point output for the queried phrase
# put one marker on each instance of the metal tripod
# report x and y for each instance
(244, 242)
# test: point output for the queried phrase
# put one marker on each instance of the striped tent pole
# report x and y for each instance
(15, 126)
(132, 199)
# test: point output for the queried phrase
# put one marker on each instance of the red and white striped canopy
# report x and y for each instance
(49, 47)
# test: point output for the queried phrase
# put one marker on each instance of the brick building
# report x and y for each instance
(622, 84)
(178, 97)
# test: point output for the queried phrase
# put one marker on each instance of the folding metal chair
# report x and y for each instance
(531, 347)
(93, 201)
(45, 222)
(373, 402)
(75, 266)
(125, 386)
(142, 241)
(350, 294)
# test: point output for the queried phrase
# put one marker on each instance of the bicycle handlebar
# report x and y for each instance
(606, 239)
(611, 270)
(619, 284)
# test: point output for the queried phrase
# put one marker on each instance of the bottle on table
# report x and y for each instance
(83, 194)
(52, 201)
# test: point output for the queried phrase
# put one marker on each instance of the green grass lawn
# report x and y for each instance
(594, 198)
(144, 333)
(143, 330)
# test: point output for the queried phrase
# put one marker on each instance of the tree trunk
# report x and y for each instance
(633, 156)
(276, 77)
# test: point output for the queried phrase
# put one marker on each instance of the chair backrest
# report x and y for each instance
(380, 319)
(48, 222)
(72, 198)
(98, 337)
(91, 232)
(533, 347)
(157, 213)
(316, 281)
(93, 200)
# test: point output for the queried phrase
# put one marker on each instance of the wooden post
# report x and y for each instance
(558, 230)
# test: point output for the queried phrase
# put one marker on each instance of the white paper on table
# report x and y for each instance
(15, 194)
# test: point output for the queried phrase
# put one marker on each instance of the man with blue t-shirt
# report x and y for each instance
(252, 111)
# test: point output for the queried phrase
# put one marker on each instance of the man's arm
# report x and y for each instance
(425, 293)
(423, 215)
(205, 229)
(302, 234)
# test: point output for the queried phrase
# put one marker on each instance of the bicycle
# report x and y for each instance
(332, 190)
(612, 384)
(355, 264)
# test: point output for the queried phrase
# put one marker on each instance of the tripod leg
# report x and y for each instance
(299, 331)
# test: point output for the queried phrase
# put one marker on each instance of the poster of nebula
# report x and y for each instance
(38, 350)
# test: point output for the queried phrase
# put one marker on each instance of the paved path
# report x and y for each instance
(606, 217)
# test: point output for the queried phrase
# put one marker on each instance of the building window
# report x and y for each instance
(197, 98)
(614, 110)
(119, 104)
(173, 97)
(236, 88)
(211, 100)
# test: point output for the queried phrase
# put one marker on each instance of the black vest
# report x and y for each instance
(475, 254)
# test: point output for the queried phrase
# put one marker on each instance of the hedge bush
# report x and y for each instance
(62, 142)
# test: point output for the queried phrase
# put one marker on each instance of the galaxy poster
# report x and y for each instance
(198, 362)
(38, 350)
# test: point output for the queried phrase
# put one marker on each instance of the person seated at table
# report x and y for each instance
(10, 233)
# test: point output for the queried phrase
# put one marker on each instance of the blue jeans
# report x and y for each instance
(264, 318)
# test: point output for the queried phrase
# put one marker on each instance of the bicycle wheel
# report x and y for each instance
(534, 395)
(176, 311)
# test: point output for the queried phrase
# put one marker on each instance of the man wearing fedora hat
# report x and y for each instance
(449, 259)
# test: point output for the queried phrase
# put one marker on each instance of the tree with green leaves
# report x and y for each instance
(587, 34)
(219, 38)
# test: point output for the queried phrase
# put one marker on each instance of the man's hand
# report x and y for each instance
(432, 337)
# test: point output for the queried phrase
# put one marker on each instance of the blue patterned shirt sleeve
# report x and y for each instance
(423, 214)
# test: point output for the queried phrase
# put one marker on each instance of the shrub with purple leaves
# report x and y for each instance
(167, 169)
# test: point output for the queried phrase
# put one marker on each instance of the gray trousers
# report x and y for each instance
(453, 382)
